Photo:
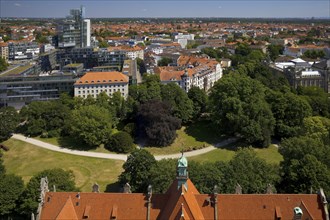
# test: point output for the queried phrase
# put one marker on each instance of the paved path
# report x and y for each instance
(111, 155)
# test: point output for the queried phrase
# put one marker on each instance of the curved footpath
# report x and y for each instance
(115, 156)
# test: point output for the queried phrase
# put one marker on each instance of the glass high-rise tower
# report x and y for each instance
(74, 31)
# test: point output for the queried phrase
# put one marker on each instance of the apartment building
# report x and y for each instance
(191, 71)
(94, 83)
(4, 51)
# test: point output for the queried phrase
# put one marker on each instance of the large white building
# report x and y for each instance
(93, 83)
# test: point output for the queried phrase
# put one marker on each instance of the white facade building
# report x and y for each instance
(93, 83)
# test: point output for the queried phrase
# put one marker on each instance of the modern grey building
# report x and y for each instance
(75, 30)
(23, 51)
(18, 91)
(91, 57)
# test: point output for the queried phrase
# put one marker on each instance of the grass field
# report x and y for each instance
(26, 160)
(270, 154)
(197, 135)
(17, 70)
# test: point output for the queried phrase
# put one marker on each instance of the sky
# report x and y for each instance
(168, 8)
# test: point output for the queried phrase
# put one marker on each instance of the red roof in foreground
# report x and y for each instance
(183, 202)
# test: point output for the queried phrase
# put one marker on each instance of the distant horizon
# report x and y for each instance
(168, 8)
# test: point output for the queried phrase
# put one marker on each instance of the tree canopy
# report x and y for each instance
(8, 122)
(156, 124)
(91, 124)
(137, 170)
(238, 107)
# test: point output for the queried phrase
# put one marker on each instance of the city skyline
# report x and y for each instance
(168, 8)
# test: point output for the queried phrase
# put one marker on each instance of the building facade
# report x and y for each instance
(192, 72)
(18, 91)
(94, 83)
(4, 51)
(23, 51)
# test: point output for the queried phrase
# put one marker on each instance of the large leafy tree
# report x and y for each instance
(199, 99)
(305, 174)
(44, 117)
(289, 111)
(317, 98)
(11, 187)
(306, 159)
(91, 124)
(156, 124)
(205, 176)
(8, 122)
(251, 172)
(238, 107)
(162, 175)
(137, 170)
(61, 179)
(182, 106)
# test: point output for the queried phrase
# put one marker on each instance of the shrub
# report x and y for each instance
(120, 142)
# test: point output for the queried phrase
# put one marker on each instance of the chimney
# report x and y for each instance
(127, 188)
(270, 189)
(238, 189)
(95, 188)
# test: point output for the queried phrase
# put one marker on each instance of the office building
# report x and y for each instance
(74, 31)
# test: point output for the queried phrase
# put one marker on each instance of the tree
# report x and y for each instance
(162, 175)
(199, 99)
(165, 61)
(141, 65)
(137, 170)
(317, 98)
(305, 174)
(120, 142)
(3, 64)
(11, 187)
(289, 111)
(238, 107)
(103, 44)
(251, 172)
(61, 179)
(181, 105)
(274, 51)
(91, 124)
(8, 122)
(205, 176)
(44, 117)
(156, 124)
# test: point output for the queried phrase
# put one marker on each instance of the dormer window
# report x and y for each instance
(86, 81)
(92, 81)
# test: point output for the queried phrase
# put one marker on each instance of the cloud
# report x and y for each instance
(144, 9)
(17, 4)
(219, 7)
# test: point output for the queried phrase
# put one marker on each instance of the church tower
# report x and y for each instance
(182, 171)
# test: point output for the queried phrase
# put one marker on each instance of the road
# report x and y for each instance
(112, 155)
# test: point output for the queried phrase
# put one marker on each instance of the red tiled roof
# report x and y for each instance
(184, 202)
(102, 78)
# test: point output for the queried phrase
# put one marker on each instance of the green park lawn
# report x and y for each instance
(26, 160)
(197, 135)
